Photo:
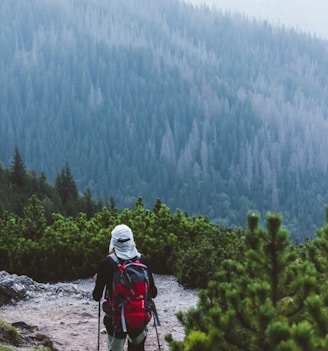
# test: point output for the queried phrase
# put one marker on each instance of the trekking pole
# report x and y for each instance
(159, 345)
(98, 326)
(156, 322)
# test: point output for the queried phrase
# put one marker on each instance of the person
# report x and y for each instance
(123, 245)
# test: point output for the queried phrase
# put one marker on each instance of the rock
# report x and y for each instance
(14, 288)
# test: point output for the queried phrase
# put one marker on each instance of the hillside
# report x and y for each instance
(214, 114)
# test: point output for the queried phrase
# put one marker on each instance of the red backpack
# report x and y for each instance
(130, 299)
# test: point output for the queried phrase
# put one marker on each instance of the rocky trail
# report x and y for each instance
(67, 314)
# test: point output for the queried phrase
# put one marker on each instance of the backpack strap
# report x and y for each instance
(113, 256)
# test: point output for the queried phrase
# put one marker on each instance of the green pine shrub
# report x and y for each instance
(273, 300)
(71, 247)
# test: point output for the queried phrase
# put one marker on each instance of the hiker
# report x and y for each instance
(122, 249)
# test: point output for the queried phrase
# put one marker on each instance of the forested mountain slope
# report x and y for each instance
(214, 114)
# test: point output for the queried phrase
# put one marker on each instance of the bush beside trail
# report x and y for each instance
(275, 299)
(71, 247)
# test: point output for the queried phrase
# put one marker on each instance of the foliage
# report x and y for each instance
(273, 300)
(199, 256)
(71, 247)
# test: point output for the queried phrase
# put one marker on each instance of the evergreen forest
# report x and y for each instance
(213, 113)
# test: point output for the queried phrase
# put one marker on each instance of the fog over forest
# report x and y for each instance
(214, 113)
(304, 15)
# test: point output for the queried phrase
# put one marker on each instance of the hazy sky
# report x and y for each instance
(307, 15)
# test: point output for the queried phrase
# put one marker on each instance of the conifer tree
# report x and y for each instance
(112, 205)
(18, 196)
(35, 221)
(18, 173)
(317, 250)
(67, 190)
(88, 204)
(272, 301)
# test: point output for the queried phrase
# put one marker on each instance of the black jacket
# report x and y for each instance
(105, 274)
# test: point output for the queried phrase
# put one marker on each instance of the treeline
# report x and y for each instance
(275, 298)
(17, 185)
(209, 112)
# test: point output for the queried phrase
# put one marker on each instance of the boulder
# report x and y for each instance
(14, 288)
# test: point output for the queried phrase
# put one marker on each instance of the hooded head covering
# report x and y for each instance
(123, 243)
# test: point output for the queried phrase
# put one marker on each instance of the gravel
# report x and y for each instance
(67, 313)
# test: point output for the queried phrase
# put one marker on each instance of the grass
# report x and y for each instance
(9, 334)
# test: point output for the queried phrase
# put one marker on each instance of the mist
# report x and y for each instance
(302, 15)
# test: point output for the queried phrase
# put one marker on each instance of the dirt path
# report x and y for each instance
(72, 319)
